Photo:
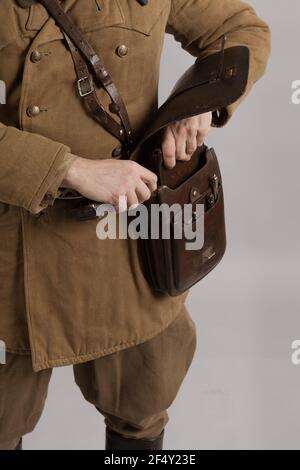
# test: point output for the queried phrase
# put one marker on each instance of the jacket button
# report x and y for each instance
(33, 111)
(36, 56)
(122, 50)
(117, 152)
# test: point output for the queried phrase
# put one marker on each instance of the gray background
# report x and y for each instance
(242, 390)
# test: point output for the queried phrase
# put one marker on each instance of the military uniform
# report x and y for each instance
(67, 297)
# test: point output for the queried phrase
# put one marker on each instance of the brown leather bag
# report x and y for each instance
(209, 85)
(167, 264)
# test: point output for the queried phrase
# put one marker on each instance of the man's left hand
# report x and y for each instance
(182, 138)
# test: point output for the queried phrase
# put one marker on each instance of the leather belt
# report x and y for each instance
(86, 89)
(85, 59)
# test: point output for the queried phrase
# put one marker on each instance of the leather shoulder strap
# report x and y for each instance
(79, 46)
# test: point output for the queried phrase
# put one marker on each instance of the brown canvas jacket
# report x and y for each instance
(66, 296)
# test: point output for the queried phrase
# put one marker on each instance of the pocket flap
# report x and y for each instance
(88, 15)
(142, 18)
(8, 30)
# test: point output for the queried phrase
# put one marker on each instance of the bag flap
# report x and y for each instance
(209, 85)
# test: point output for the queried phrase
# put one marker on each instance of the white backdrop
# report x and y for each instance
(242, 390)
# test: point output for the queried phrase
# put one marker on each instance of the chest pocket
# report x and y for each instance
(128, 36)
(92, 15)
(127, 14)
(89, 15)
(143, 19)
(8, 28)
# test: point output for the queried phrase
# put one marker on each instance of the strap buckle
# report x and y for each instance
(81, 83)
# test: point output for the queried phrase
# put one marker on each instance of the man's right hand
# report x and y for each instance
(107, 180)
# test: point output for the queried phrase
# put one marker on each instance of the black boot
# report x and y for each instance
(115, 441)
(19, 446)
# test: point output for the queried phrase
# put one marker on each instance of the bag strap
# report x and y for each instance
(86, 59)
(86, 89)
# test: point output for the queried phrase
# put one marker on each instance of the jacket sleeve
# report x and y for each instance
(32, 168)
(199, 26)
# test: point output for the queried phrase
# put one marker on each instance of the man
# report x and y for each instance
(67, 297)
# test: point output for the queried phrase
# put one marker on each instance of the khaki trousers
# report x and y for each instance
(132, 389)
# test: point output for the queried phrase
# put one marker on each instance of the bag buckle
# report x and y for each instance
(213, 198)
(214, 181)
(81, 83)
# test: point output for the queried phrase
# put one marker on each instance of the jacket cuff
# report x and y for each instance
(49, 190)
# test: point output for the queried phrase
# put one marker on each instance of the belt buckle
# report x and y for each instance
(80, 84)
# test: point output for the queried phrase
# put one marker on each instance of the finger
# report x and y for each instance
(150, 182)
(121, 205)
(169, 149)
(149, 178)
(144, 173)
(181, 141)
(191, 143)
(143, 192)
(208, 119)
(168, 146)
(132, 200)
(204, 128)
(200, 138)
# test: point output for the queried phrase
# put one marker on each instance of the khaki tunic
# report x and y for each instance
(65, 296)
